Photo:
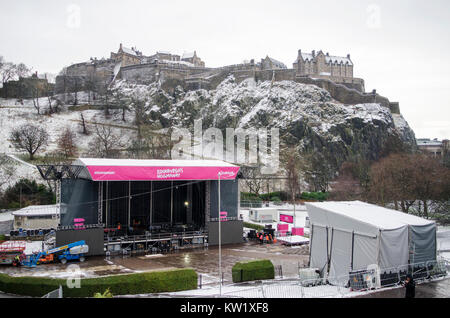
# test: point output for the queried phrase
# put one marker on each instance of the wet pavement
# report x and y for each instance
(206, 261)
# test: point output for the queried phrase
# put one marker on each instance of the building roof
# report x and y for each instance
(38, 210)
(328, 59)
(188, 55)
(157, 170)
(429, 142)
(130, 51)
(277, 63)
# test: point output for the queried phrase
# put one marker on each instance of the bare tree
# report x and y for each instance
(10, 71)
(120, 100)
(7, 170)
(21, 70)
(106, 143)
(29, 138)
(253, 179)
(37, 90)
(67, 143)
(83, 124)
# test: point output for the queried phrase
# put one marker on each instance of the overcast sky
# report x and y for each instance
(401, 48)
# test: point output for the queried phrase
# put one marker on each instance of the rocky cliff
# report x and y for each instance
(308, 117)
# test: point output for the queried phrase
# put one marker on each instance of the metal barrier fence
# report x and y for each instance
(57, 293)
(338, 287)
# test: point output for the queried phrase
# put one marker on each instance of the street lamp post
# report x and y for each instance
(220, 242)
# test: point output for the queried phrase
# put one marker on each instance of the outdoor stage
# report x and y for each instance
(148, 204)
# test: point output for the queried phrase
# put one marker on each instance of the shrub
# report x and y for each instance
(275, 199)
(106, 294)
(253, 270)
(130, 284)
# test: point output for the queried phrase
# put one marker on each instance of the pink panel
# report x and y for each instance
(283, 227)
(110, 173)
(298, 231)
(286, 218)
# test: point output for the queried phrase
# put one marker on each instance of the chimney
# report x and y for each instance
(328, 54)
(348, 55)
(120, 46)
(314, 53)
(299, 53)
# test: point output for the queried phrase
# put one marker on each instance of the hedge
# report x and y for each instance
(253, 226)
(317, 196)
(130, 284)
(253, 270)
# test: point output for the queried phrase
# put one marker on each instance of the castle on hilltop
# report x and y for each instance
(333, 73)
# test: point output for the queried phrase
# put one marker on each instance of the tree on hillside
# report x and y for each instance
(7, 170)
(21, 70)
(120, 101)
(10, 71)
(67, 143)
(26, 192)
(106, 143)
(92, 85)
(317, 170)
(29, 138)
(291, 161)
(252, 179)
(37, 91)
(83, 125)
(151, 142)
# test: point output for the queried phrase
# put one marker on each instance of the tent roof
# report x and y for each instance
(38, 210)
(369, 214)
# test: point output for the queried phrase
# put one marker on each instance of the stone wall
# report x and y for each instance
(78, 77)
(344, 94)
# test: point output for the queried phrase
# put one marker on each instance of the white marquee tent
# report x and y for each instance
(350, 236)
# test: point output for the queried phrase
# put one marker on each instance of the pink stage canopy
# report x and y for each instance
(157, 170)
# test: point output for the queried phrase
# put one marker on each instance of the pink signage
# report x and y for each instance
(298, 231)
(78, 224)
(283, 227)
(223, 216)
(286, 218)
(132, 173)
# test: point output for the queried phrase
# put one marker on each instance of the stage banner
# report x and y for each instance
(123, 173)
